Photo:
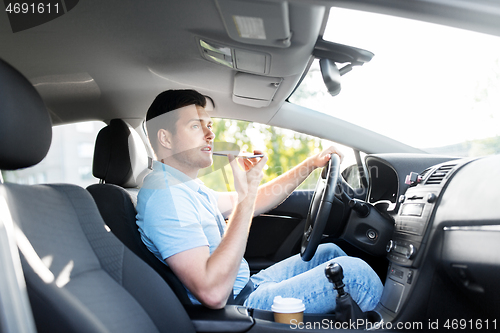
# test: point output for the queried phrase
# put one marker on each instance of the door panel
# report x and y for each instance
(277, 234)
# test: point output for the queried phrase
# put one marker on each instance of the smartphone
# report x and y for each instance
(237, 154)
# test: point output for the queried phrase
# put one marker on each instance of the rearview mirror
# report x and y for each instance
(331, 75)
(331, 53)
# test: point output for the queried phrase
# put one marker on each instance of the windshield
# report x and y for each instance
(429, 86)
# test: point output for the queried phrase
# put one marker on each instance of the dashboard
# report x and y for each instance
(443, 251)
(388, 173)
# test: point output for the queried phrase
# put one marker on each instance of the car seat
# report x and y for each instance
(79, 276)
(121, 162)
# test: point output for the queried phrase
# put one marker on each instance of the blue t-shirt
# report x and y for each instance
(176, 213)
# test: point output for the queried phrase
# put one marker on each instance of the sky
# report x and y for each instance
(426, 85)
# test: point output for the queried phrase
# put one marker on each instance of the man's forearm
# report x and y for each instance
(224, 263)
(276, 191)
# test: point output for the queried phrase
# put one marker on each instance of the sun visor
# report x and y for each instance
(254, 90)
(257, 23)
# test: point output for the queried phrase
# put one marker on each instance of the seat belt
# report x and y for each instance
(244, 293)
(14, 300)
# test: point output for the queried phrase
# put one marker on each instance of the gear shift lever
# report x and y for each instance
(346, 308)
(335, 275)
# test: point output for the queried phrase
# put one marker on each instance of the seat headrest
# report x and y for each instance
(120, 157)
(25, 125)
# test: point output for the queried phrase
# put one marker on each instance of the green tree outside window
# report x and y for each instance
(284, 148)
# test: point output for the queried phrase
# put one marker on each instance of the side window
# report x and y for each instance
(69, 159)
(284, 148)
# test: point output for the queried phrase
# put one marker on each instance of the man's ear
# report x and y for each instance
(165, 138)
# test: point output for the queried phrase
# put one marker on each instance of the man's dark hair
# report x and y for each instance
(167, 101)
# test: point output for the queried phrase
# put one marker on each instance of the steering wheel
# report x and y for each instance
(319, 209)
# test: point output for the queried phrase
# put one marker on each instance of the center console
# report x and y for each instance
(234, 318)
(405, 249)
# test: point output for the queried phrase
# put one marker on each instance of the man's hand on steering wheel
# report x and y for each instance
(320, 160)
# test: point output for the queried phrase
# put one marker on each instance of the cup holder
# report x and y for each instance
(373, 320)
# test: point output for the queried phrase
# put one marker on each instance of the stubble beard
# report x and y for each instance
(193, 158)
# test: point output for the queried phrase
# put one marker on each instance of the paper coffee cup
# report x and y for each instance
(288, 310)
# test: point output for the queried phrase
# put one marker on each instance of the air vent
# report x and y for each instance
(424, 173)
(437, 176)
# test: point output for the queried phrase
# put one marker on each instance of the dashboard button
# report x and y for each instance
(409, 278)
(411, 252)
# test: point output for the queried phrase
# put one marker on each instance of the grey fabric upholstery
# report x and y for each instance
(106, 285)
(30, 129)
(118, 211)
(120, 156)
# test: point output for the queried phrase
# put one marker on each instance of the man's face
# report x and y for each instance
(192, 144)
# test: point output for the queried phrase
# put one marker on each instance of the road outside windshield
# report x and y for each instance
(429, 86)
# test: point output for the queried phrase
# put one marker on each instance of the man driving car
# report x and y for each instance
(183, 222)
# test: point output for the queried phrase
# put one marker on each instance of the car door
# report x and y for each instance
(277, 234)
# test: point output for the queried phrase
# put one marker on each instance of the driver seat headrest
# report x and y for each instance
(120, 156)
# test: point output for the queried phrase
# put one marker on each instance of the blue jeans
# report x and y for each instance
(293, 277)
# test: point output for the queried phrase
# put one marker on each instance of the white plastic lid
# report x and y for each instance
(287, 305)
